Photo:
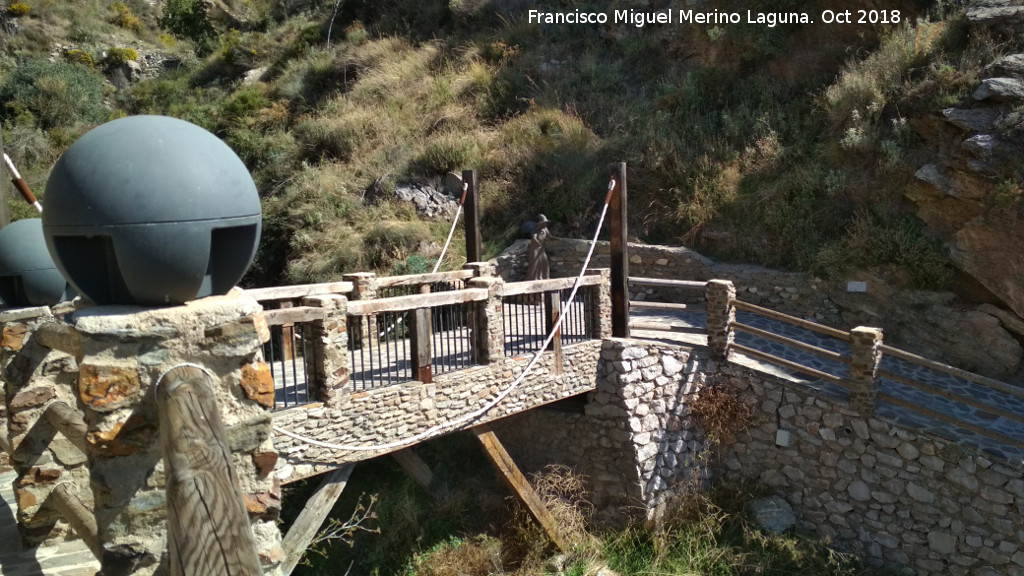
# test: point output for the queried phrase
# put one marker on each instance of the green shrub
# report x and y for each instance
(123, 17)
(448, 152)
(57, 93)
(76, 56)
(18, 9)
(187, 19)
(117, 55)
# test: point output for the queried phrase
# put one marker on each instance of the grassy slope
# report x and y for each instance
(758, 144)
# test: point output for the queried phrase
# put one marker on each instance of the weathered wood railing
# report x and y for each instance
(531, 309)
(860, 372)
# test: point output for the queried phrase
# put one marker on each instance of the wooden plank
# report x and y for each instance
(300, 291)
(953, 371)
(404, 303)
(552, 310)
(695, 284)
(69, 422)
(643, 305)
(845, 336)
(417, 279)
(207, 525)
(619, 228)
(791, 342)
(474, 244)
(318, 507)
(1009, 441)
(536, 286)
(930, 389)
(419, 335)
(61, 337)
(64, 498)
(518, 483)
(294, 315)
(788, 364)
(415, 467)
(655, 327)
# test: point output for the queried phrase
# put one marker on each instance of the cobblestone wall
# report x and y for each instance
(892, 494)
(377, 417)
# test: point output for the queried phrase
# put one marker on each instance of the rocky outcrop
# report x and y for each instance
(970, 193)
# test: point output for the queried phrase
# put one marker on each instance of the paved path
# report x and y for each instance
(65, 559)
(697, 321)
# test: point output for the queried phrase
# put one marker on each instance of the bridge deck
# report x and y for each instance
(697, 320)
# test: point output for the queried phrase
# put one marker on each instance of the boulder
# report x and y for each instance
(1012, 65)
(772, 514)
(1000, 90)
(428, 200)
(972, 120)
(990, 251)
(998, 13)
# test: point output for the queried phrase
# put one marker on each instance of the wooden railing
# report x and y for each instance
(869, 381)
(531, 309)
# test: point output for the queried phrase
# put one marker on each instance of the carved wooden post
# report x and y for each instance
(620, 253)
(208, 530)
(419, 343)
(474, 245)
(865, 357)
(721, 314)
(552, 310)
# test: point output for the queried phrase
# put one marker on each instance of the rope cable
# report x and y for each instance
(455, 221)
(452, 425)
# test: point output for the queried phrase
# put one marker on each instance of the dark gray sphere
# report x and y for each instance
(28, 276)
(151, 210)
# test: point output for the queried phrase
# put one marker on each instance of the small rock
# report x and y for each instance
(1000, 89)
(929, 174)
(974, 120)
(773, 514)
(1012, 65)
(942, 542)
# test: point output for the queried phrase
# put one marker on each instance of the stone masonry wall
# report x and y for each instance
(636, 441)
(894, 495)
(122, 351)
(384, 415)
(793, 293)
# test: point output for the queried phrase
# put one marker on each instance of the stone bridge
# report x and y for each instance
(905, 460)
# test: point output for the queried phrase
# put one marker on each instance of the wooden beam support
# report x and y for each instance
(619, 253)
(552, 310)
(208, 528)
(65, 500)
(474, 245)
(69, 422)
(519, 484)
(419, 345)
(415, 467)
(403, 303)
(283, 316)
(318, 507)
(295, 292)
(534, 286)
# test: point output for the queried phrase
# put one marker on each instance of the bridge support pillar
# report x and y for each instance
(721, 315)
(865, 356)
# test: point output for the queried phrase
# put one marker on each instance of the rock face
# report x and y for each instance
(966, 194)
(428, 201)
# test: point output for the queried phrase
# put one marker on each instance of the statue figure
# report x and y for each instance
(537, 265)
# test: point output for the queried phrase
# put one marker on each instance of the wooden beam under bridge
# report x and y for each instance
(520, 485)
(317, 508)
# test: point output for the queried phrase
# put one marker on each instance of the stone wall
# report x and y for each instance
(793, 293)
(118, 355)
(894, 495)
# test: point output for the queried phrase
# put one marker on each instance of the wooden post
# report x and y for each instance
(65, 500)
(474, 245)
(619, 253)
(415, 467)
(317, 508)
(419, 342)
(5, 195)
(552, 310)
(518, 483)
(208, 529)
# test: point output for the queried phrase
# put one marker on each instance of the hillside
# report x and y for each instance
(817, 147)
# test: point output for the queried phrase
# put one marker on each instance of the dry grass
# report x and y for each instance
(721, 413)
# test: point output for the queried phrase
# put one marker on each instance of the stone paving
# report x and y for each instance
(697, 320)
(65, 559)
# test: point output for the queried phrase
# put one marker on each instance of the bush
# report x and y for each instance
(18, 9)
(449, 152)
(57, 93)
(117, 56)
(82, 57)
(124, 18)
(187, 19)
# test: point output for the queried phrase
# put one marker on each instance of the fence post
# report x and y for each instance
(721, 314)
(552, 310)
(619, 249)
(331, 366)
(364, 287)
(865, 357)
(601, 313)
(419, 342)
(487, 337)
